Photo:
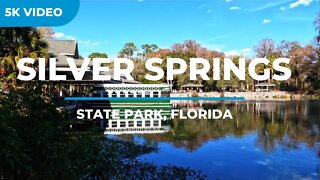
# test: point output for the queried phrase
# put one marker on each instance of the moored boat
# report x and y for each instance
(136, 97)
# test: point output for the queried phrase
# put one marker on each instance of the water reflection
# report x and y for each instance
(137, 126)
(276, 139)
(286, 123)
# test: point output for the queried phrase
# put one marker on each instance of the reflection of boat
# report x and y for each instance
(136, 126)
(141, 97)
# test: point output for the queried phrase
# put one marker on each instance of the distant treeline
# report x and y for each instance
(304, 65)
(16, 43)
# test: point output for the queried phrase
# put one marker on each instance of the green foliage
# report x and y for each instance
(16, 43)
(36, 144)
(146, 81)
(98, 55)
(210, 85)
(11, 76)
(194, 94)
(147, 49)
(128, 50)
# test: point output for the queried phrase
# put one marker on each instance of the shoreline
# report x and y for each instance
(249, 96)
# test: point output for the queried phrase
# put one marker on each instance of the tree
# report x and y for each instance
(148, 49)
(234, 83)
(17, 43)
(296, 53)
(46, 32)
(37, 143)
(313, 73)
(128, 50)
(98, 55)
(265, 48)
(81, 57)
(187, 46)
(186, 50)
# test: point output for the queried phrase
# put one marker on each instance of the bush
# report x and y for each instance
(195, 94)
(36, 144)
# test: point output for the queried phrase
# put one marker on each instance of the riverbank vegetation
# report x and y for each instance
(16, 43)
(36, 139)
(37, 143)
(304, 65)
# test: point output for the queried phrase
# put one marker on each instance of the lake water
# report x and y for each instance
(265, 140)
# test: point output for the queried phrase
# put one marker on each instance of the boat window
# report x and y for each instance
(139, 94)
(155, 123)
(122, 94)
(122, 124)
(114, 124)
(114, 94)
(155, 94)
(131, 94)
(139, 123)
(147, 123)
(131, 123)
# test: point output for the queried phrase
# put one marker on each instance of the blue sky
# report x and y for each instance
(232, 26)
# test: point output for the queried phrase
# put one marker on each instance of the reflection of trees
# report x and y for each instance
(290, 124)
(276, 123)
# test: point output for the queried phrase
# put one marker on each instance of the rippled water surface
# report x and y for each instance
(265, 140)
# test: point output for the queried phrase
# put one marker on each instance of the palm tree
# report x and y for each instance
(17, 43)
(128, 50)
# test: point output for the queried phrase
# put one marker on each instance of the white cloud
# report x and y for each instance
(89, 43)
(140, 0)
(266, 21)
(245, 50)
(70, 37)
(269, 5)
(215, 47)
(282, 8)
(234, 8)
(300, 2)
(209, 11)
(228, 0)
(231, 53)
(242, 52)
(58, 35)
